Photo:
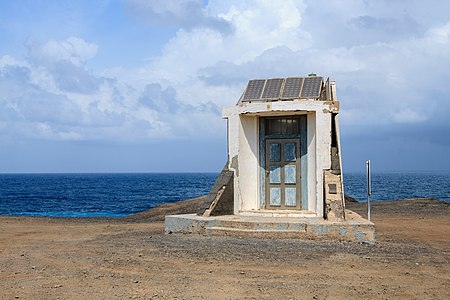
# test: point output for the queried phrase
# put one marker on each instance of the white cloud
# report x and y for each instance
(390, 65)
(440, 34)
(73, 49)
(382, 68)
(408, 116)
(187, 14)
(52, 95)
(186, 56)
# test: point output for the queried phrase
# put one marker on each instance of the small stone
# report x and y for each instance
(136, 281)
(242, 272)
(33, 267)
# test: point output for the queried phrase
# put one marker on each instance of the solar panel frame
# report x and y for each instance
(254, 89)
(272, 89)
(311, 87)
(283, 88)
(292, 87)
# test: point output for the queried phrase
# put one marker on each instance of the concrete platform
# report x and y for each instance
(355, 228)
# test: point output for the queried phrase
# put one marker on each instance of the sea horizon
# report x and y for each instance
(118, 194)
(212, 172)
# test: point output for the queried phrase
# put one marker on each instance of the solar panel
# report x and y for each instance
(272, 88)
(292, 87)
(311, 87)
(254, 89)
(283, 88)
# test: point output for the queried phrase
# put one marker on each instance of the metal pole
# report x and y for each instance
(368, 188)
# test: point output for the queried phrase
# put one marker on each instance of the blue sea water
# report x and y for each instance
(394, 186)
(117, 195)
(88, 195)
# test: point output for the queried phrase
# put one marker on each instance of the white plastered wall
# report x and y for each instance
(323, 154)
(248, 162)
(243, 144)
(311, 154)
(233, 151)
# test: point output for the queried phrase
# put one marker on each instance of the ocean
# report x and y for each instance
(117, 195)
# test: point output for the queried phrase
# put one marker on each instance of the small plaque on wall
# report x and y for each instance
(332, 188)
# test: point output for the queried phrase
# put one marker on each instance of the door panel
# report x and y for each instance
(283, 174)
(290, 196)
(275, 196)
(275, 174)
(274, 152)
(290, 175)
(290, 151)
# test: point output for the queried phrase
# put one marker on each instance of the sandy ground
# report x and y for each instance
(50, 258)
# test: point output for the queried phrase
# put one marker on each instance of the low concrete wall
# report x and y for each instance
(189, 223)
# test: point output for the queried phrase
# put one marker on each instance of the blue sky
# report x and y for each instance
(138, 86)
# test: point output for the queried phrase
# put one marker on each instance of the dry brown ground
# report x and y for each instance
(50, 258)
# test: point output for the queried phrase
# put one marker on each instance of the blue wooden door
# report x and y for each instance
(283, 174)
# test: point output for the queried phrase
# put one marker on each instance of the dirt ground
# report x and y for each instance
(131, 258)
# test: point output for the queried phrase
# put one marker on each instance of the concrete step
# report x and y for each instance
(256, 224)
(259, 233)
(354, 229)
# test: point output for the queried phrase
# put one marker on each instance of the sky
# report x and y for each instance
(139, 85)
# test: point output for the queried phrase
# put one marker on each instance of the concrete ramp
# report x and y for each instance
(221, 196)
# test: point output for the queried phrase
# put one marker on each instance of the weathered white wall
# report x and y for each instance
(244, 143)
(233, 151)
(311, 154)
(248, 162)
(323, 154)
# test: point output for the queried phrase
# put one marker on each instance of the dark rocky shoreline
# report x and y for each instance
(411, 206)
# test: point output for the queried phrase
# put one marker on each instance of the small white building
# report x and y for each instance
(284, 150)
(283, 175)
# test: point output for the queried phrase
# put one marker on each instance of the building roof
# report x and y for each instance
(290, 88)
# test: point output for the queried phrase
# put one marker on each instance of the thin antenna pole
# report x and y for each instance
(368, 188)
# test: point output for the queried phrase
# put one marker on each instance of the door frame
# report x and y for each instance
(302, 137)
